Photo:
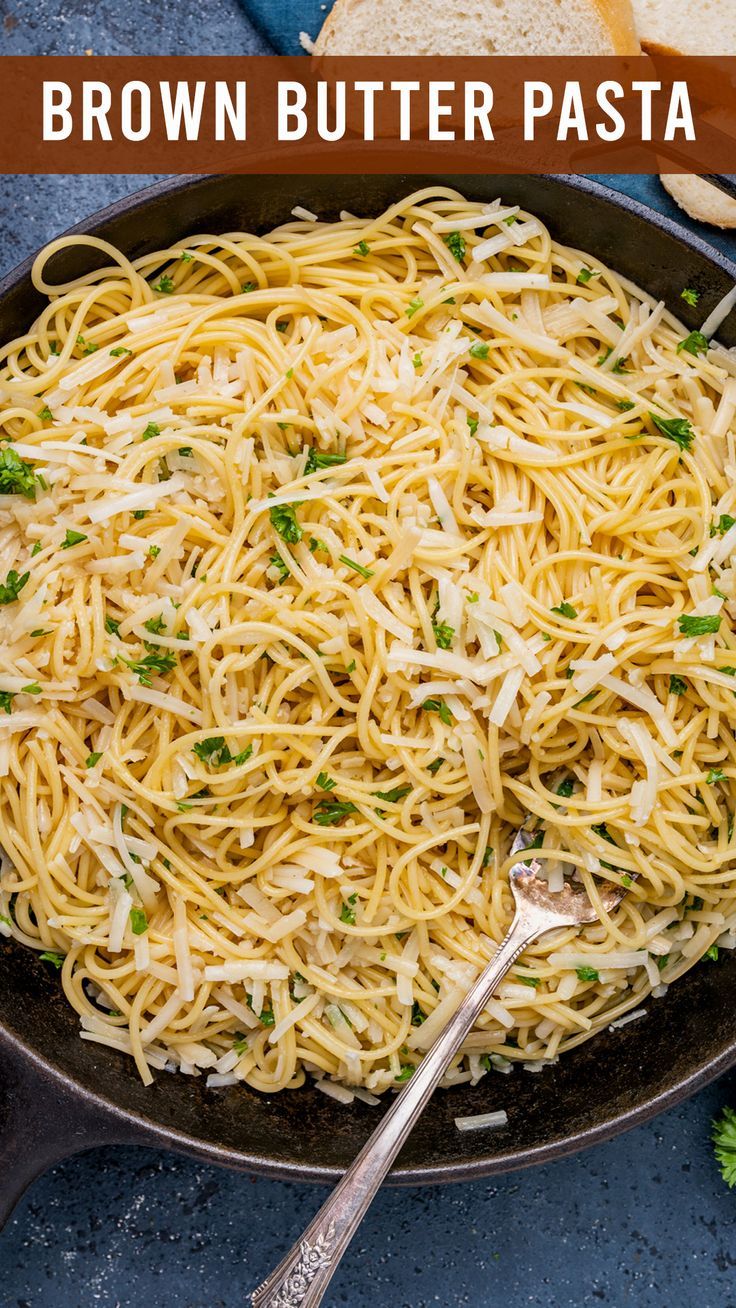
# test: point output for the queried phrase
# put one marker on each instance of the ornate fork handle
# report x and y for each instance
(301, 1279)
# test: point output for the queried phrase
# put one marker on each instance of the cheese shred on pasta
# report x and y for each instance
(328, 559)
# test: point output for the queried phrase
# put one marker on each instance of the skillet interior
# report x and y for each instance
(617, 1079)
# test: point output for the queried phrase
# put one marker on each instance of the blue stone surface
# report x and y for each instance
(644, 1221)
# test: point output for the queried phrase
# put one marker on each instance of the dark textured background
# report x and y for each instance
(644, 1221)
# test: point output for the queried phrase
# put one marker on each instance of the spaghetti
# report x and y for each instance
(331, 558)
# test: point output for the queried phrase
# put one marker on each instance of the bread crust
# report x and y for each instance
(617, 16)
(652, 48)
(700, 199)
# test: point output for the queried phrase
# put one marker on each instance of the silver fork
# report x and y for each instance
(302, 1277)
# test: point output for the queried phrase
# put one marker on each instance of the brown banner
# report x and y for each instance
(280, 115)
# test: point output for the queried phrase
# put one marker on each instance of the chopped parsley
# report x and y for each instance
(690, 624)
(443, 634)
(362, 248)
(417, 1016)
(618, 366)
(414, 306)
(473, 425)
(284, 521)
(36, 549)
(6, 700)
(112, 627)
(565, 787)
(678, 685)
(347, 912)
(326, 782)
(678, 430)
(695, 343)
(479, 350)
(138, 921)
(690, 296)
(277, 562)
(152, 430)
(715, 775)
(724, 524)
(330, 812)
(585, 275)
(87, 346)
(711, 954)
(438, 706)
(16, 476)
(32, 688)
(407, 1071)
(533, 981)
(119, 351)
(587, 974)
(357, 567)
(393, 796)
(625, 405)
(600, 829)
(434, 767)
(154, 551)
(164, 285)
(93, 759)
(46, 414)
(12, 586)
(455, 243)
(565, 610)
(158, 663)
(51, 956)
(215, 752)
(247, 287)
(72, 538)
(316, 459)
(155, 625)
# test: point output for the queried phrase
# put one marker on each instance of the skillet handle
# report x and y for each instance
(42, 1121)
(725, 182)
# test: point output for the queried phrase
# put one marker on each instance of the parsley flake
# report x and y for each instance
(455, 242)
(284, 521)
(12, 586)
(678, 430)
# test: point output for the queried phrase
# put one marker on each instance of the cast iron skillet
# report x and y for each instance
(59, 1094)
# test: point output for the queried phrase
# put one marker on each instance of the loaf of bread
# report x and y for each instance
(479, 27)
(701, 199)
(687, 27)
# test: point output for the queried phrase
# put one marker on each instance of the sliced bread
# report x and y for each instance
(479, 27)
(687, 27)
(701, 199)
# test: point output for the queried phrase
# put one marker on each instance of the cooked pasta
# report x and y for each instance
(329, 559)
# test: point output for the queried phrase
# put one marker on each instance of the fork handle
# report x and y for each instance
(301, 1279)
